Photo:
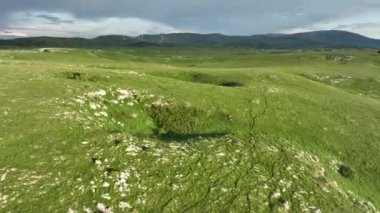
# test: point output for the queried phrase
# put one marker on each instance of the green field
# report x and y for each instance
(189, 130)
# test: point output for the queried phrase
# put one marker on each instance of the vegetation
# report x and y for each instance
(189, 130)
(345, 171)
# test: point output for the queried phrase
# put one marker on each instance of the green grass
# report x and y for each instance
(189, 130)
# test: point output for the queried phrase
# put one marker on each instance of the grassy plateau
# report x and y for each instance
(189, 130)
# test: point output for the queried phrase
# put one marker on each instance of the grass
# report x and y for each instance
(189, 129)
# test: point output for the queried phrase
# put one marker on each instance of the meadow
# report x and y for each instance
(189, 130)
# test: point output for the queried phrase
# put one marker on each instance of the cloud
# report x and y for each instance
(241, 17)
(366, 24)
(68, 25)
(54, 19)
(371, 29)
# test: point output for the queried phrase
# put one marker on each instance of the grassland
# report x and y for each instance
(189, 130)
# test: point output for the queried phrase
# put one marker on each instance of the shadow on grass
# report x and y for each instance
(231, 84)
(183, 138)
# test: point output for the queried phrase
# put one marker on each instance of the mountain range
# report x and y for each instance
(307, 40)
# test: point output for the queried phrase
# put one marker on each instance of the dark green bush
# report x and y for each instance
(178, 119)
(345, 171)
(85, 77)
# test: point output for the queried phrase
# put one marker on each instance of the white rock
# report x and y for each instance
(80, 101)
(124, 94)
(224, 190)
(103, 114)
(101, 207)
(3, 176)
(106, 196)
(114, 101)
(286, 205)
(70, 210)
(276, 195)
(87, 210)
(99, 93)
(124, 205)
(93, 106)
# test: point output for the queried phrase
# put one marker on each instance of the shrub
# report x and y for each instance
(85, 77)
(178, 118)
(345, 171)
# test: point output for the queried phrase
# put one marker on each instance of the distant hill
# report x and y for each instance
(309, 40)
(8, 37)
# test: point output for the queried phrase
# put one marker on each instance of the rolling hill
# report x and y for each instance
(189, 130)
(309, 40)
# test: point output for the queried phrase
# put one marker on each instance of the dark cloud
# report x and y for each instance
(54, 19)
(224, 16)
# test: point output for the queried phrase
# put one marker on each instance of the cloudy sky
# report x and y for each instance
(90, 18)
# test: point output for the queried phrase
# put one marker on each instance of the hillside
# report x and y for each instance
(189, 129)
(310, 40)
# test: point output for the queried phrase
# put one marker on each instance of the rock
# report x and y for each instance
(101, 207)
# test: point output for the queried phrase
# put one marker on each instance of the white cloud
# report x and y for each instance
(89, 18)
(367, 24)
(40, 23)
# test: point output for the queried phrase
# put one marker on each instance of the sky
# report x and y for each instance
(91, 18)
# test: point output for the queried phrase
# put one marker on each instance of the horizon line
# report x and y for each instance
(195, 33)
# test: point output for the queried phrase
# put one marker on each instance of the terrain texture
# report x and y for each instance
(189, 130)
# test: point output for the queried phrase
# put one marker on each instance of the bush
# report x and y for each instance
(345, 171)
(85, 77)
(178, 119)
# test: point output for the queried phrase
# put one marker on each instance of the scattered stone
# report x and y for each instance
(276, 195)
(70, 210)
(106, 196)
(103, 209)
(105, 114)
(93, 106)
(99, 93)
(3, 176)
(124, 205)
